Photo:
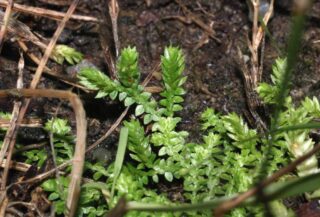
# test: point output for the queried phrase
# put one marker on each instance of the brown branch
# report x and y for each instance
(22, 167)
(114, 12)
(8, 143)
(11, 134)
(30, 147)
(256, 42)
(42, 65)
(74, 189)
(51, 14)
(79, 155)
(31, 206)
(5, 23)
(3, 205)
(52, 44)
(105, 37)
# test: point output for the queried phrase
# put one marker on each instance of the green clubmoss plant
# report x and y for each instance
(298, 142)
(126, 88)
(223, 165)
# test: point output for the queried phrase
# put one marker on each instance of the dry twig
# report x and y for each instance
(5, 23)
(79, 155)
(22, 167)
(105, 36)
(44, 60)
(51, 14)
(10, 138)
(74, 189)
(252, 75)
(114, 12)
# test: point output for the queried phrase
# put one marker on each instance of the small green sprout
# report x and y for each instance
(63, 52)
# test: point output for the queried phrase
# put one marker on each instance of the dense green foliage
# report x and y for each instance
(227, 160)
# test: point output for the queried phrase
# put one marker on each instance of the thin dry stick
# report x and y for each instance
(5, 123)
(53, 152)
(254, 52)
(257, 35)
(256, 42)
(51, 14)
(198, 21)
(13, 211)
(106, 42)
(255, 6)
(230, 204)
(252, 99)
(31, 206)
(30, 147)
(42, 176)
(3, 207)
(38, 74)
(79, 155)
(5, 23)
(22, 167)
(10, 134)
(114, 12)
(52, 44)
(17, 29)
(111, 129)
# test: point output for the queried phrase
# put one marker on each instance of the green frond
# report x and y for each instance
(312, 106)
(5, 115)
(62, 141)
(165, 135)
(138, 144)
(96, 80)
(212, 121)
(130, 94)
(278, 69)
(58, 126)
(172, 64)
(298, 142)
(239, 131)
(127, 67)
(131, 184)
(268, 92)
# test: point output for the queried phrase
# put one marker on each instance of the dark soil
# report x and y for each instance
(214, 78)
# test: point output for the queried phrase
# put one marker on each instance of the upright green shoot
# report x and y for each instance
(120, 156)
